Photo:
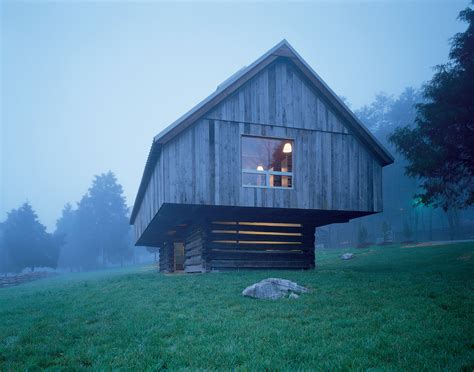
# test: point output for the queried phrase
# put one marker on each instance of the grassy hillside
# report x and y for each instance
(389, 308)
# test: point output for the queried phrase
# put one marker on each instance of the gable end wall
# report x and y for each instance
(333, 170)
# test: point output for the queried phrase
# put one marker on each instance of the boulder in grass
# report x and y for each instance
(273, 289)
(347, 256)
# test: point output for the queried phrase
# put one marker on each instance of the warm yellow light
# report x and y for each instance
(270, 224)
(287, 148)
(260, 168)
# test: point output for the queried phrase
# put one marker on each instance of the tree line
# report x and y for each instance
(93, 235)
(430, 131)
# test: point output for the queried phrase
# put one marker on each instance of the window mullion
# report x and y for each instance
(251, 159)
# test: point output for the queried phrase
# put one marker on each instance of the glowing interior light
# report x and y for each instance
(260, 168)
(287, 148)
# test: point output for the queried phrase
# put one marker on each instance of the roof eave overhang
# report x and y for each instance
(147, 172)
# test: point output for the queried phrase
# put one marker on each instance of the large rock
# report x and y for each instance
(273, 289)
(347, 256)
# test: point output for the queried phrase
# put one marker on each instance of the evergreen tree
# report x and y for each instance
(377, 114)
(362, 236)
(407, 231)
(4, 262)
(385, 114)
(66, 230)
(102, 232)
(27, 243)
(97, 233)
(386, 232)
(109, 213)
(439, 149)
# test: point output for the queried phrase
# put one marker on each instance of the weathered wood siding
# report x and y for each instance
(279, 95)
(332, 169)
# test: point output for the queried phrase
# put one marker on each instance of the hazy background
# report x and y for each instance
(85, 86)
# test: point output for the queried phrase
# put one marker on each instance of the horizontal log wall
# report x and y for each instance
(234, 245)
(194, 250)
(167, 258)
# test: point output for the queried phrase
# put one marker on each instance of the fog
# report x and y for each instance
(85, 86)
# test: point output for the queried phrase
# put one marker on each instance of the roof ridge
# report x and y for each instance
(225, 84)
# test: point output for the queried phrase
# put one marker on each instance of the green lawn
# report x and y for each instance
(390, 308)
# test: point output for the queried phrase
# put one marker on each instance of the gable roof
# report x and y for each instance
(229, 86)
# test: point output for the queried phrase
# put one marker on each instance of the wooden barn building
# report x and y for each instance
(243, 179)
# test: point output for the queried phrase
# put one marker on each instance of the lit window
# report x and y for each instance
(267, 162)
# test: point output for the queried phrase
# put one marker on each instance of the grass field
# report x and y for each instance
(389, 308)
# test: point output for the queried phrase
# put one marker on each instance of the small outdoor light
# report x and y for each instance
(287, 148)
(260, 168)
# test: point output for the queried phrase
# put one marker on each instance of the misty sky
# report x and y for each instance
(85, 86)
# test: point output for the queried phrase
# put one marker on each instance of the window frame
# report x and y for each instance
(268, 173)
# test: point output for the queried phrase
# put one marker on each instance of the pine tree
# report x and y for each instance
(27, 244)
(109, 213)
(66, 231)
(386, 231)
(4, 261)
(97, 233)
(362, 236)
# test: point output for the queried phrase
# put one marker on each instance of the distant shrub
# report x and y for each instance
(407, 232)
(362, 236)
